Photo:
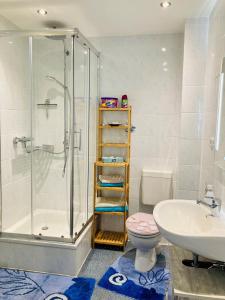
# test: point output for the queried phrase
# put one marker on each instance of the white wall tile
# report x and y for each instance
(192, 99)
(195, 49)
(134, 66)
(187, 194)
(191, 125)
(189, 178)
(189, 152)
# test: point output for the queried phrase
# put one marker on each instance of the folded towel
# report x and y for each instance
(108, 202)
(111, 179)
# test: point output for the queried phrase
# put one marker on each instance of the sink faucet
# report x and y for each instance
(210, 201)
(213, 204)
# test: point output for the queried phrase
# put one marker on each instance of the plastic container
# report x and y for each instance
(124, 101)
(108, 102)
(110, 159)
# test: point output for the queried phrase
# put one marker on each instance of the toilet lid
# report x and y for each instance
(143, 224)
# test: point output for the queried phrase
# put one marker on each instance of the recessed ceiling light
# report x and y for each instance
(165, 69)
(165, 4)
(163, 49)
(165, 64)
(42, 11)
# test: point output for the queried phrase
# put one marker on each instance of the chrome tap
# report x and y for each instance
(211, 201)
(213, 204)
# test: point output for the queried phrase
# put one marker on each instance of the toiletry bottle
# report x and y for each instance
(124, 101)
(209, 193)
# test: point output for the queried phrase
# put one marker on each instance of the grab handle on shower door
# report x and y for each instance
(80, 139)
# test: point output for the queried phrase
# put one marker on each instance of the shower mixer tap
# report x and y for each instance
(22, 140)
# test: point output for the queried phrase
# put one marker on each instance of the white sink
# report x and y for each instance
(188, 225)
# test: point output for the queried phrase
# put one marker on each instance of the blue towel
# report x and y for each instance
(120, 184)
(111, 209)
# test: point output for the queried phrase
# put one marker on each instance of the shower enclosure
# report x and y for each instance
(49, 98)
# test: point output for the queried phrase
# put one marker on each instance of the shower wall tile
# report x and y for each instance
(14, 121)
(16, 202)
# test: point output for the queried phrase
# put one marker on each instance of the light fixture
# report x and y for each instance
(163, 49)
(42, 11)
(165, 64)
(165, 69)
(165, 4)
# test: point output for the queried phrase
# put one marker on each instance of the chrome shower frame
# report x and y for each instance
(74, 34)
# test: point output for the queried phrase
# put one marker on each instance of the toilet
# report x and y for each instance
(141, 227)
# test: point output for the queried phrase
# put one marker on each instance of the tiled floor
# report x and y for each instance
(95, 266)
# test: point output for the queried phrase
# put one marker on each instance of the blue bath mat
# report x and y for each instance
(21, 285)
(122, 278)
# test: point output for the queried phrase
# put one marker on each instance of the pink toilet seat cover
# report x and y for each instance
(142, 223)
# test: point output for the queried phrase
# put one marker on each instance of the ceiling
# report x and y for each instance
(104, 17)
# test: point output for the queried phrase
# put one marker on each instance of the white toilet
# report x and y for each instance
(141, 227)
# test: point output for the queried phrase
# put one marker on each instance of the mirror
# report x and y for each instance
(220, 121)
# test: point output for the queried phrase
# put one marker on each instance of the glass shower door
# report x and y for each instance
(81, 135)
(52, 69)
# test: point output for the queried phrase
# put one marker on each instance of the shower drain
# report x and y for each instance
(44, 228)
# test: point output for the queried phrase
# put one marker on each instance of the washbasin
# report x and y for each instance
(190, 226)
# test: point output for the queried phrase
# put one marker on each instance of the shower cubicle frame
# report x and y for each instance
(74, 34)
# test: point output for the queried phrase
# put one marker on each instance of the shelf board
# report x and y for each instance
(113, 127)
(111, 188)
(114, 213)
(111, 238)
(114, 109)
(115, 145)
(112, 164)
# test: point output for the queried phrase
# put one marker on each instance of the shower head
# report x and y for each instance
(56, 80)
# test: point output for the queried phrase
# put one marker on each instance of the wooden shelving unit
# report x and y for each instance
(112, 238)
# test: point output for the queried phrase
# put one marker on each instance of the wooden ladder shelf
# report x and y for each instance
(107, 237)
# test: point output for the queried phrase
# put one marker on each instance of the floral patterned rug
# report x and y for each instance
(22, 285)
(122, 278)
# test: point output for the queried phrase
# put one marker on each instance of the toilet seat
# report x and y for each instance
(143, 236)
(142, 225)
